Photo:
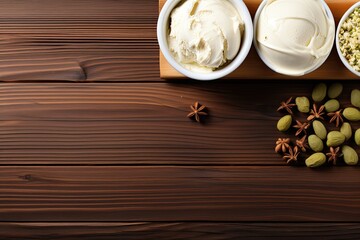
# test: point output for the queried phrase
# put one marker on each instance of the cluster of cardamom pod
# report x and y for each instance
(314, 144)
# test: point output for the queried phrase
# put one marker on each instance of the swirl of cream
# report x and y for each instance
(205, 34)
(295, 35)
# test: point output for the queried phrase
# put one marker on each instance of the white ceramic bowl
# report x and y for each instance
(162, 33)
(343, 59)
(265, 60)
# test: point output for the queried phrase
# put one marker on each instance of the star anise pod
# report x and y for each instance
(292, 155)
(302, 143)
(198, 110)
(316, 113)
(287, 105)
(333, 155)
(336, 117)
(282, 144)
(301, 127)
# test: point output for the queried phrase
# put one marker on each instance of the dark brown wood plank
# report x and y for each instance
(178, 194)
(84, 40)
(179, 230)
(128, 10)
(142, 123)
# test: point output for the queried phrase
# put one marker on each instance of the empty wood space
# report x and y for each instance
(178, 230)
(178, 194)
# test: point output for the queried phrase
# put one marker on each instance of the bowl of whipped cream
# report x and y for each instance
(205, 39)
(294, 37)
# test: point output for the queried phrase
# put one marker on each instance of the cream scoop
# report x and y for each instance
(294, 36)
(205, 34)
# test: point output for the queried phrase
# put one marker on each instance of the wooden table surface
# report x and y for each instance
(94, 145)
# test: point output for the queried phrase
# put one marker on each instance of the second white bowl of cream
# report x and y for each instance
(294, 37)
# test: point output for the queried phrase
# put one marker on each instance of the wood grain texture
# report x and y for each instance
(178, 194)
(129, 124)
(254, 68)
(178, 231)
(78, 41)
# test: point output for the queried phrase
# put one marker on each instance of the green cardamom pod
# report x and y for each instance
(303, 104)
(319, 92)
(350, 155)
(335, 138)
(335, 90)
(284, 123)
(332, 105)
(319, 129)
(346, 130)
(352, 114)
(355, 98)
(315, 143)
(315, 160)
(357, 137)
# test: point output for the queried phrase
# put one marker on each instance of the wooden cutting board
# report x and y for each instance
(254, 68)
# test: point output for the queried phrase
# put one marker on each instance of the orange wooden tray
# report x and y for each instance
(254, 68)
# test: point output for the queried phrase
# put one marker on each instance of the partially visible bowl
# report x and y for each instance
(268, 62)
(163, 30)
(337, 40)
